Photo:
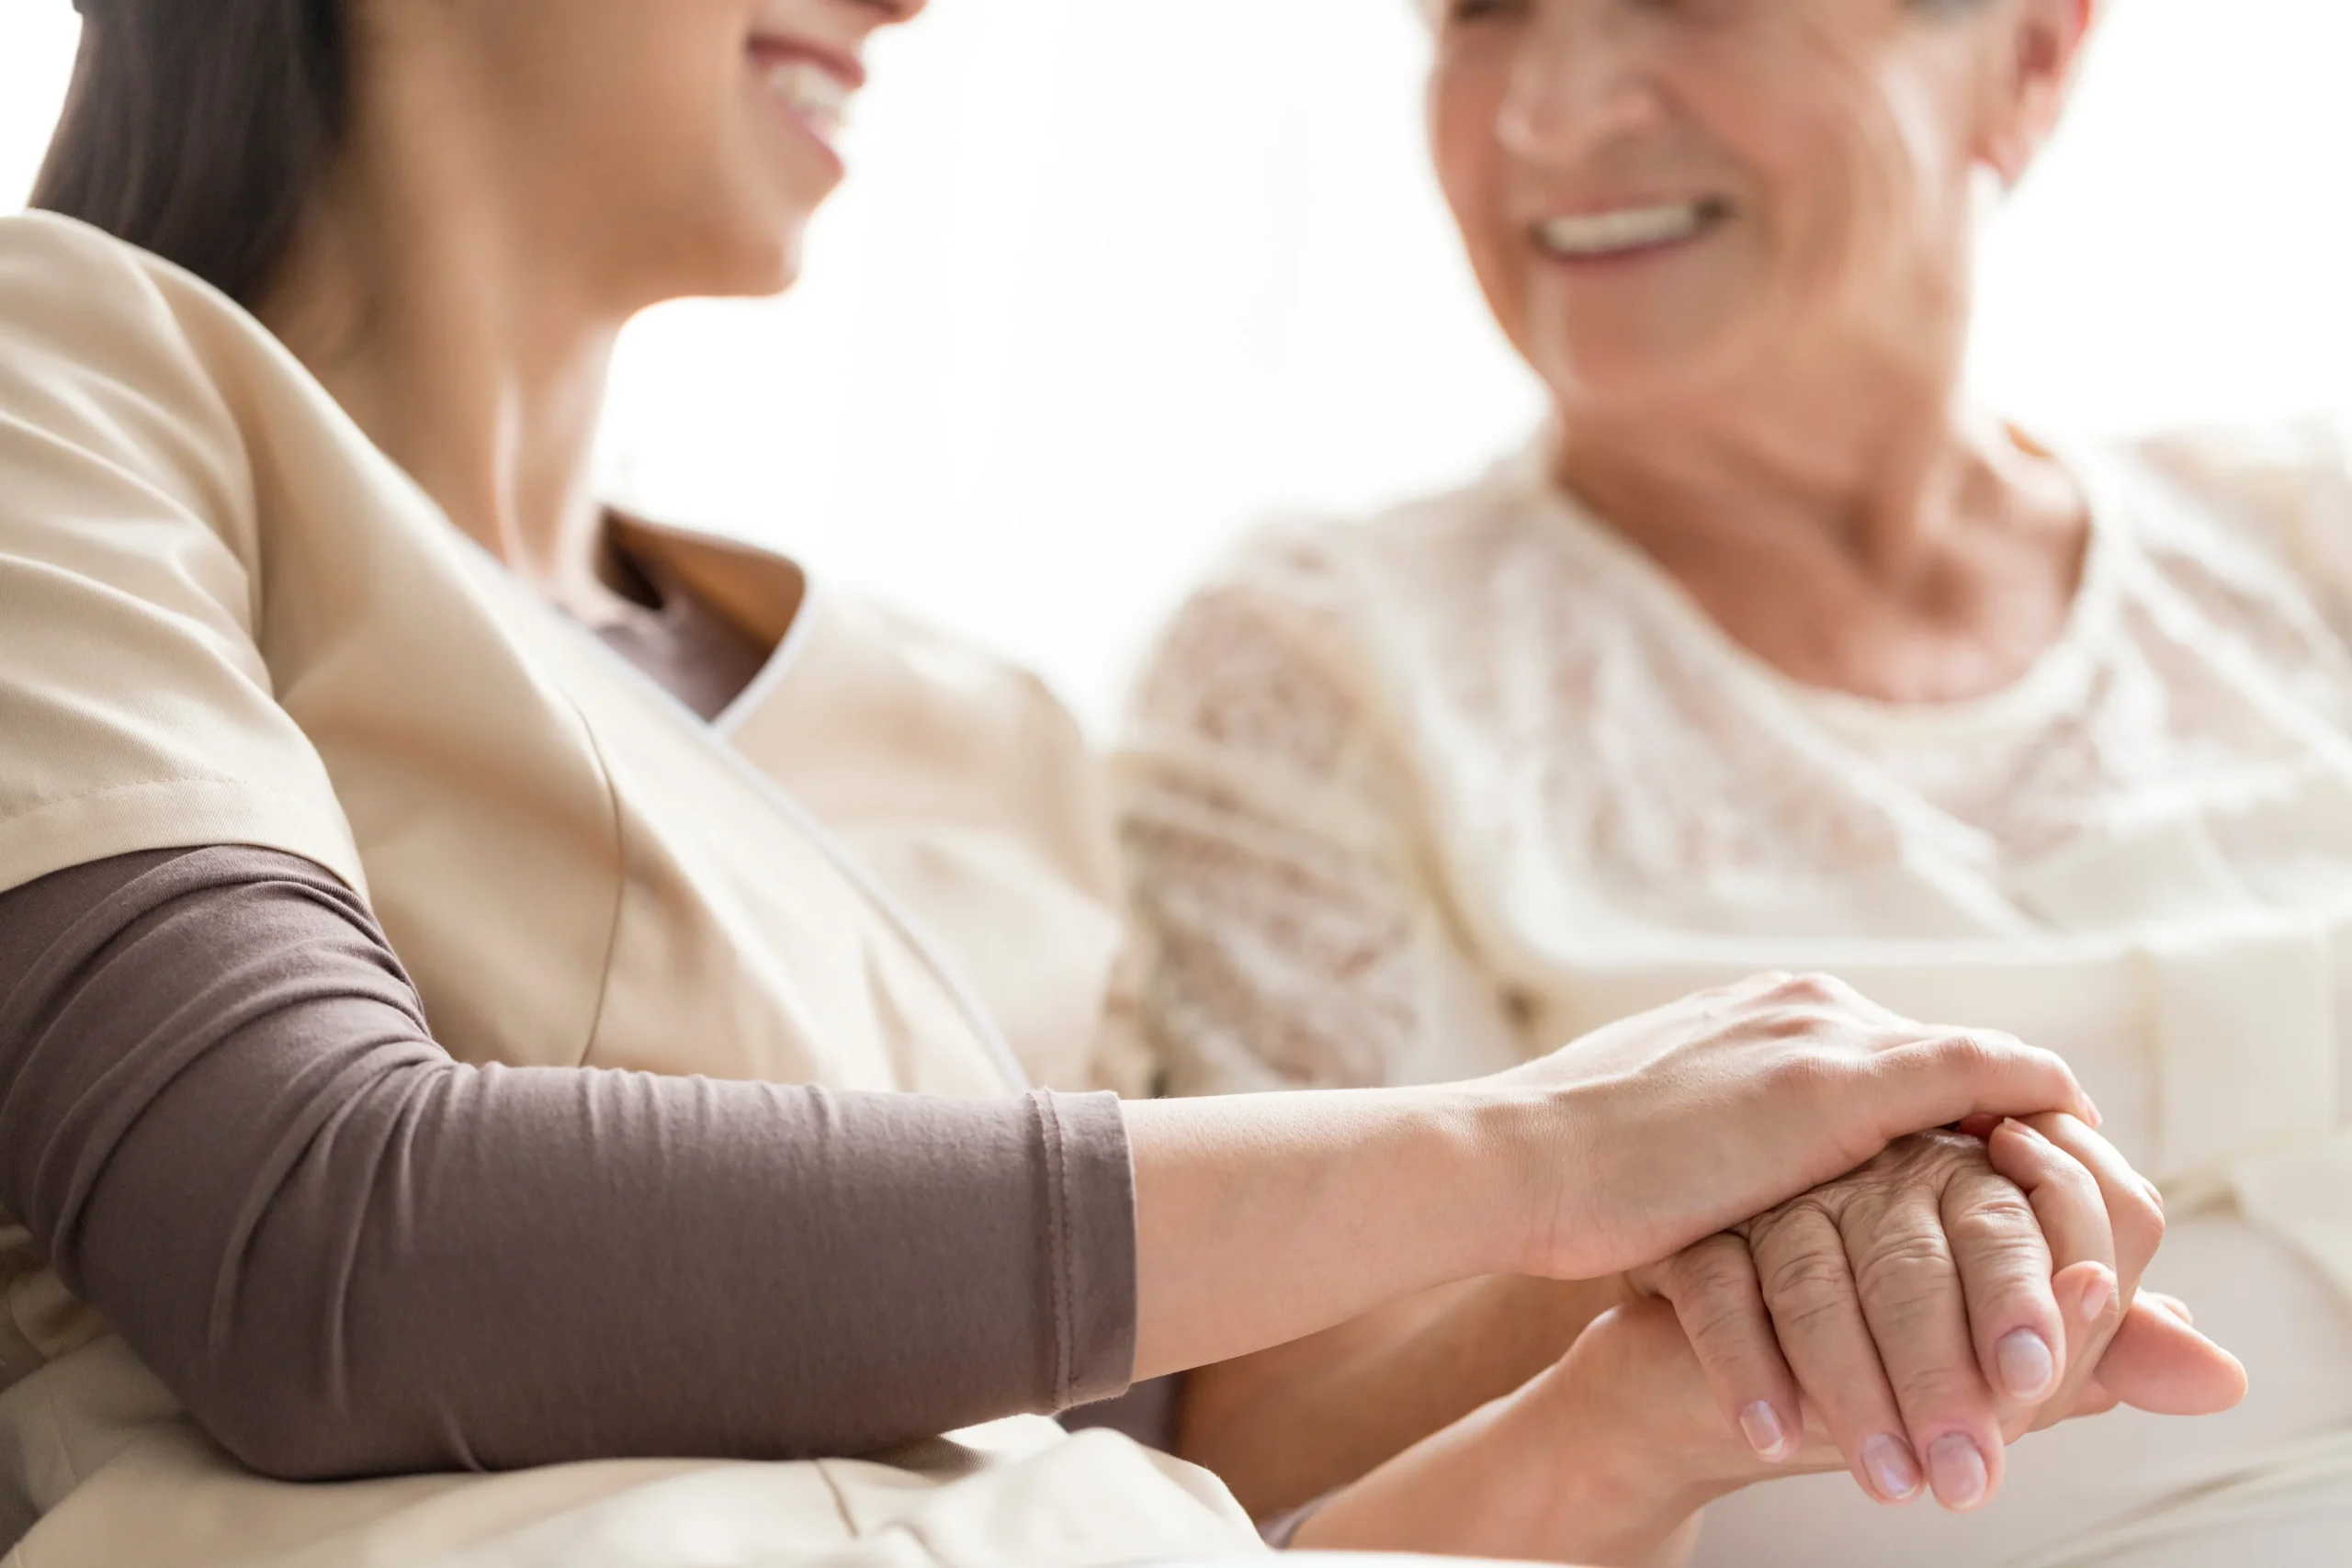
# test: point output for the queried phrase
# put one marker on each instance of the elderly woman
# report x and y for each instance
(530, 1017)
(1773, 650)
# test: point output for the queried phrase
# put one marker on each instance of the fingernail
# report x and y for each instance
(1761, 1424)
(1958, 1470)
(2096, 1296)
(1893, 1474)
(2027, 1369)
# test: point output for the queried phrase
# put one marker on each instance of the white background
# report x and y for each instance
(1116, 278)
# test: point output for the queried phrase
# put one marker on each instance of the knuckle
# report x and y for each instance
(1938, 1386)
(1905, 1280)
(2010, 1274)
(1901, 1255)
(1994, 1224)
(1806, 1285)
(1967, 1051)
(1825, 987)
(1722, 1327)
(1814, 990)
(1927, 1161)
(2138, 1224)
(1709, 1268)
(1807, 1220)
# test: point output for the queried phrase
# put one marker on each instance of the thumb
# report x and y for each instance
(2158, 1363)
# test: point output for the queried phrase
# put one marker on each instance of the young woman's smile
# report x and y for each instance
(810, 83)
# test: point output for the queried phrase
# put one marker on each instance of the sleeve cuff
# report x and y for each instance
(1091, 1213)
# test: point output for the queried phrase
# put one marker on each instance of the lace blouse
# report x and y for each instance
(1416, 797)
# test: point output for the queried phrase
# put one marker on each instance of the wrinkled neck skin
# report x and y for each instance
(1842, 512)
(467, 343)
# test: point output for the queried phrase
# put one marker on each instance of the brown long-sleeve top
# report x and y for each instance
(224, 1119)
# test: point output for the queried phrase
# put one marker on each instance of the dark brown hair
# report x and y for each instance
(195, 128)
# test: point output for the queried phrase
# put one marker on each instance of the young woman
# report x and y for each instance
(431, 1039)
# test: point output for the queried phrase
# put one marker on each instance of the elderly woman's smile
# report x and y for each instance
(1655, 196)
(1629, 230)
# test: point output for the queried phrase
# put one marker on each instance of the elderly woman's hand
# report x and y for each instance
(1607, 1457)
(1937, 1302)
(1880, 1313)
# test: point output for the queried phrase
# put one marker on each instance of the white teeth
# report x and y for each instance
(812, 92)
(1627, 228)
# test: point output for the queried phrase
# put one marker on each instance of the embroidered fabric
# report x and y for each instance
(1381, 775)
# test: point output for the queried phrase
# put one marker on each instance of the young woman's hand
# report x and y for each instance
(1265, 1218)
(1666, 1127)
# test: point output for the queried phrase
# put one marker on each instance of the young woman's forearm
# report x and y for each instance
(1263, 1218)
(223, 1118)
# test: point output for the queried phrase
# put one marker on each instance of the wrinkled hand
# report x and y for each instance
(1895, 1292)
(1634, 1374)
(1934, 1304)
(1668, 1126)
(1604, 1458)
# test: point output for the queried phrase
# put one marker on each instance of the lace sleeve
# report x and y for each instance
(1300, 933)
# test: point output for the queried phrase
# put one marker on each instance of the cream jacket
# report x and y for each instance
(226, 618)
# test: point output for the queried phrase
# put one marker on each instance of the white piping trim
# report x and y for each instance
(814, 602)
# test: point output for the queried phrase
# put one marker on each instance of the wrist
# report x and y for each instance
(1537, 1194)
(1509, 1181)
(1612, 1492)
(1530, 1188)
(1543, 1473)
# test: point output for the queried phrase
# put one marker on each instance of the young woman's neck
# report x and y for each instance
(470, 356)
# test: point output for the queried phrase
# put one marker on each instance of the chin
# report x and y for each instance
(764, 261)
(1617, 382)
(1622, 366)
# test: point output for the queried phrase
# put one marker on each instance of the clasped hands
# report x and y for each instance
(1904, 1321)
(1910, 1320)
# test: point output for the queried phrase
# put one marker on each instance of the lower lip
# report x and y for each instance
(1631, 256)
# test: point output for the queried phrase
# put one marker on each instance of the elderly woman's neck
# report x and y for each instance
(1893, 545)
(463, 356)
(1875, 478)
